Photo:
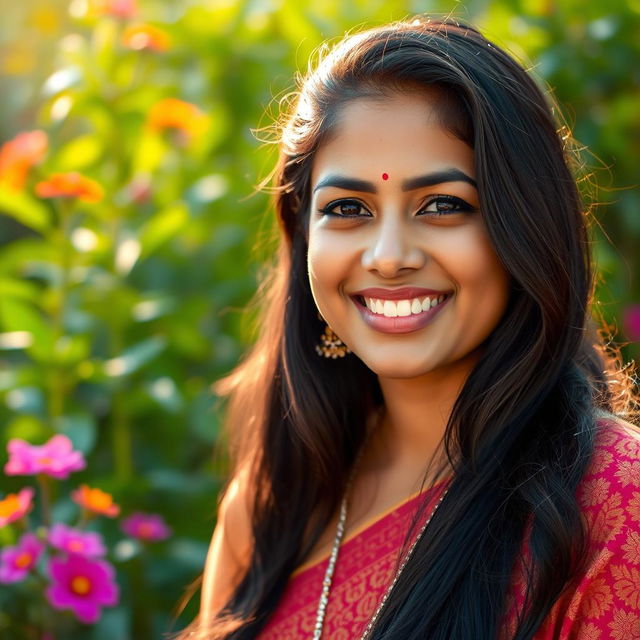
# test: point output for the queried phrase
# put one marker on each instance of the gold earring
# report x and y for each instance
(332, 346)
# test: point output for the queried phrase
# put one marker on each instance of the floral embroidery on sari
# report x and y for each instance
(603, 604)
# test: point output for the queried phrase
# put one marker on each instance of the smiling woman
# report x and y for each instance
(452, 462)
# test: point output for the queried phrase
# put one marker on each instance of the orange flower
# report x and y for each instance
(15, 506)
(171, 113)
(95, 500)
(146, 36)
(70, 185)
(18, 155)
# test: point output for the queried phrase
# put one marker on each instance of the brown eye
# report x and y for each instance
(445, 204)
(346, 209)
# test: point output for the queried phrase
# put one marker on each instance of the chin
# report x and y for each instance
(388, 368)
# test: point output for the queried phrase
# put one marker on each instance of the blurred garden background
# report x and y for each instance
(131, 238)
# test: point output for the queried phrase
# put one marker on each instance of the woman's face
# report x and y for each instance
(401, 188)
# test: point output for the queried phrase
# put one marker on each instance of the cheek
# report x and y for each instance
(321, 271)
(325, 263)
(473, 263)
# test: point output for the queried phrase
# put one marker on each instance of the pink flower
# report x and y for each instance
(82, 585)
(16, 562)
(85, 543)
(146, 526)
(15, 506)
(631, 322)
(55, 458)
(118, 8)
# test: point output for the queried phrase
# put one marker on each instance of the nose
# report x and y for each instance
(392, 248)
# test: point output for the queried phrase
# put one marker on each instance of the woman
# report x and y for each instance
(430, 219)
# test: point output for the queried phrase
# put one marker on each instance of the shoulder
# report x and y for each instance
(609, 493)
(234, 514)
(230, 547)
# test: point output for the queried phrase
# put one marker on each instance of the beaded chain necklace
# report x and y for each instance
(328, 576)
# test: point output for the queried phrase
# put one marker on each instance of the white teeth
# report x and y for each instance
(402, 308)
(390, 309)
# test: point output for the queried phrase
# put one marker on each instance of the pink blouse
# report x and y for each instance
(603, 605)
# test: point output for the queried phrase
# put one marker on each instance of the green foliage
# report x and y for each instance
(117, 315)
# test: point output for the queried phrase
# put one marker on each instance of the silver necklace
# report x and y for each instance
(328, 576)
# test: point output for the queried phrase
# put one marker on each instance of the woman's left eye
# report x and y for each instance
(444, 204)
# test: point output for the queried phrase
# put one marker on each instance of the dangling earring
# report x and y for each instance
(332, 346)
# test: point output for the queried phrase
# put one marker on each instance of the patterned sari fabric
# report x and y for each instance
(603, 604)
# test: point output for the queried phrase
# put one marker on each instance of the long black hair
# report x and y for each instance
(522, 430)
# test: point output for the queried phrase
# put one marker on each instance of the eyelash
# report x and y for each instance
(461, 205)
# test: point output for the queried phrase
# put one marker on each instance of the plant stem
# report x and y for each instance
(45, 495)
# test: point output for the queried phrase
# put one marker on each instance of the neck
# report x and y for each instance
(415, 416)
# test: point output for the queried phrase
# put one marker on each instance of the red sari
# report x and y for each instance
(603, 605)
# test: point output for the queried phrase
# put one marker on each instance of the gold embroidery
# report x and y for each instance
(625, 625)
(610, 519)
(601, 460)
(595, 491)
(631, 547)
(598, 598)
(589, 632)
(634, 506)
(627, 585)
(629, 448)
(629, 472)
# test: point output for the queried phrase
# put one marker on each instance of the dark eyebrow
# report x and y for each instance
(438, 177)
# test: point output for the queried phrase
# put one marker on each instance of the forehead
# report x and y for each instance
(400, 135)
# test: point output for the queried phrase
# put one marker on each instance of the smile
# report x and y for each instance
(399, 316)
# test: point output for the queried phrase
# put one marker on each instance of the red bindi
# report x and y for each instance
(385, 176)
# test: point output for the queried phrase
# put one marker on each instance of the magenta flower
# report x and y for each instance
(55, 458)
(631, 322)
(16, 562)
(15, 506)
(82, 585)
(85, 543)
(145, 526)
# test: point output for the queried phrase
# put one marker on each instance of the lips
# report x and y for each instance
(402, 293)
(399, 324)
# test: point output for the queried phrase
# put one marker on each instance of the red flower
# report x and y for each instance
(146, 36)
(70, 185)
(18, 155)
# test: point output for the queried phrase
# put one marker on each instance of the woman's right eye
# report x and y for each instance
(348, 209)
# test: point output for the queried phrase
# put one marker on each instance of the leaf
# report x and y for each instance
(81, 430)
(79, 154)
(16, 315)
(135, 357)
(12, 288)
(162, 227)
(25, 209)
